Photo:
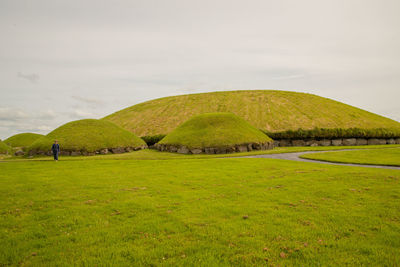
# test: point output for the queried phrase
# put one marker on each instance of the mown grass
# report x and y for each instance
(193, 213)
(390, 157)
(88, 135)
(22, 139)
(215, 130)
(269, 110)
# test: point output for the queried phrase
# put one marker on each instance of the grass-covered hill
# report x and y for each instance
(5, 149)
(88, 135)
(22, 139)
(215, 130)
(268, 110)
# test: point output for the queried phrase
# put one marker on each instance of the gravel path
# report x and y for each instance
(296, 157)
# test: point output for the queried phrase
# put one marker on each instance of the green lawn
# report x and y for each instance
(389, 157)
(197, 212)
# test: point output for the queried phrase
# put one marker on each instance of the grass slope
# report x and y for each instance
(390, 157)
(89, 135)
(102, 213)
(265, 109)
(4, 148)
(22, 139)
(215, 130)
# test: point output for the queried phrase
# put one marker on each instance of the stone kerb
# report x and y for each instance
(215, 150)
(337, 142)
(103, 151)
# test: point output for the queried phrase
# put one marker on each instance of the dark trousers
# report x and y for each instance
(55, 154)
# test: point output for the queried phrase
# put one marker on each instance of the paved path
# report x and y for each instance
(296, 157)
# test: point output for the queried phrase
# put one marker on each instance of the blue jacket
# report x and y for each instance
(55, 148)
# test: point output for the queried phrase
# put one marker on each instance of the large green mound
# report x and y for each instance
(22, 139)
(215, 130)
(267, 110)
(5, 149)
(88, 135)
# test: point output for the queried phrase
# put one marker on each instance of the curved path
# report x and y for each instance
(295, 156)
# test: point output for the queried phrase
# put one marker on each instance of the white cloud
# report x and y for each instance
(47, 115)
(44, 128)
(91, 101)
(288, 77)
(12, 114)
(16, 120)
(113, 55)
(33, 78)
(81, 114)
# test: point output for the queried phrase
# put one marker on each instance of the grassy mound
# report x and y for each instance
(88, 135)
(215, 130)
(22, 140)
(5, 149)
(267, 110)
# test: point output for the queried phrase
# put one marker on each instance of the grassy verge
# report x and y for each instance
(390, 157)
(200, 212)
(150, 154)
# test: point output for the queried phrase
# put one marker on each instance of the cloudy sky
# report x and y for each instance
(67, 60)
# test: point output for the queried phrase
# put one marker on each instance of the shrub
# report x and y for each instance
(333, 133)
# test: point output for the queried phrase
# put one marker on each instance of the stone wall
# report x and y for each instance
(116, 150)
(337, 142)
(215, 150)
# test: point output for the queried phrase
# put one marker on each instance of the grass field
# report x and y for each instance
(197, 212)
(264, 109)
(215, 130)
(389, 157)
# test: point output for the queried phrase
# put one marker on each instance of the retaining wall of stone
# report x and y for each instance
(104, 151)
(337, 142)
(215, 150)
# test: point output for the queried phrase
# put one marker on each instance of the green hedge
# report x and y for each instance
(151, 140)
(323, 133)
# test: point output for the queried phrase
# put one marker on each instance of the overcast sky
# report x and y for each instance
(67, 60)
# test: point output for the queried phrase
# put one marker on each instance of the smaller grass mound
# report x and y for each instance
(88, 137)
(215, 133)
(22, 140)
(5, 149)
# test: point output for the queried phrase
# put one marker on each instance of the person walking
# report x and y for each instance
(56, 149)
